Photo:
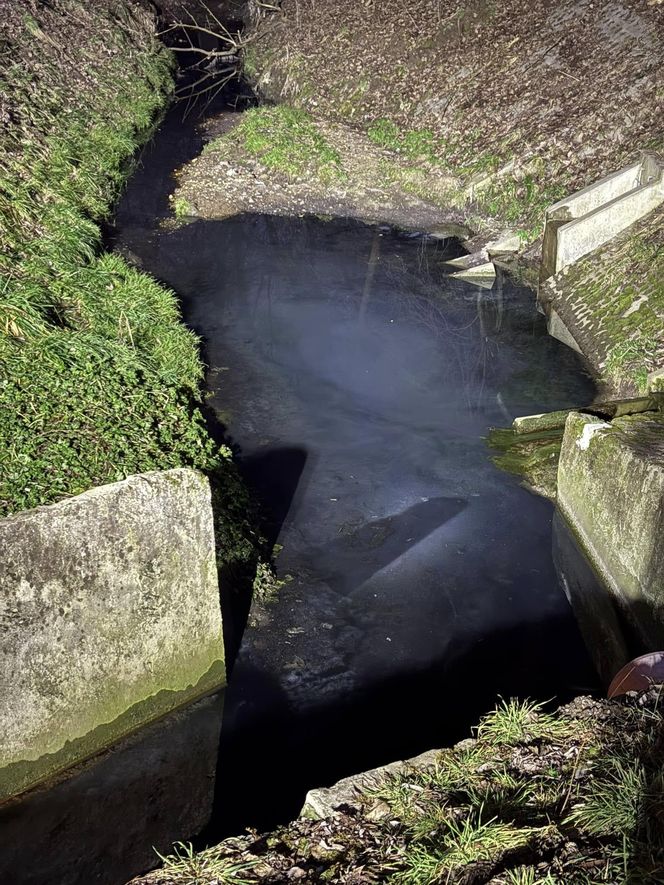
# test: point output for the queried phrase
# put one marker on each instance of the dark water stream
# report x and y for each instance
(358, 382)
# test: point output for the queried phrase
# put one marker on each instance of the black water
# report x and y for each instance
(357, 382)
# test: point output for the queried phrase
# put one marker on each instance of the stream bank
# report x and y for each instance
(100, 379)
(520, 102)
(533, 798)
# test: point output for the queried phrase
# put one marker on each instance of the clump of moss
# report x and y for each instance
(286, 140)
(533, 456)
(622, 296)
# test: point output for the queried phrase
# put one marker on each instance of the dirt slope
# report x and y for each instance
(524, 101)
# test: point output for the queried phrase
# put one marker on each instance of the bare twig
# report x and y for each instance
(218, 64)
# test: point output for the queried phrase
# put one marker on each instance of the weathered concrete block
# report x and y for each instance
(578, 238)
(471, 260)
(558, 330)
(505, 245)
(486, 271)
(584, 221)
(352, 791)
(110, 617)
(611, 492)
(597, 611)
(542, 422)
(656, 381)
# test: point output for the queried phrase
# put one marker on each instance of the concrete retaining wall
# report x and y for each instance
(591, 217)
(597, 194)
(610, 306)
(578, 238)
(611, 492)
(109, 617)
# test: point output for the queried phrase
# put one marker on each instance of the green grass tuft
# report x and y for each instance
(286, 140)
(458, 844)
(185, 867)
(613, 806)
(521, 722)
(416, 144)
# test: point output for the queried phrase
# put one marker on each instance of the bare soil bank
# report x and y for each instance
(521, 101)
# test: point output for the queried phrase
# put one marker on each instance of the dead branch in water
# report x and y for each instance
(219, 61)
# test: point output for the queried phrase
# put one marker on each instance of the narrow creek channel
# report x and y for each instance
(357, 381)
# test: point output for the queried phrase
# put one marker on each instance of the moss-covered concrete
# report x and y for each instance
(612, 304)
(532, 455)
(611, 492)
(110, 617)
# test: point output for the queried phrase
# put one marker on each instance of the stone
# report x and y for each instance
(449, 230)
(507, 244)
(538, 423)
(656, 381)
(349, 792)
(611, 494)
(110, 617)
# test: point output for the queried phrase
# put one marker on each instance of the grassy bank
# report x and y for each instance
(99, 378)
(534, 798)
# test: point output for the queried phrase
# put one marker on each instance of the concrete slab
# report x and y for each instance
(473, 259)
(558, 330)
(110, 617)
(586, 220)
(480, 274)
(505, 245)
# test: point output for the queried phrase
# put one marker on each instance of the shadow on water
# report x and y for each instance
(382, 542)
(272, 751)
(273, 477)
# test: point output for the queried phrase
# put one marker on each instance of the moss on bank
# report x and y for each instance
(285, 139)
(99, 378)
(612, 301)
(534, 456)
